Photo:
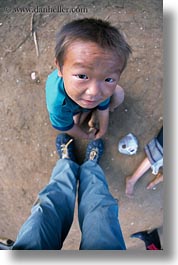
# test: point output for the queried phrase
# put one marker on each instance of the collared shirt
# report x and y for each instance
(60, 106)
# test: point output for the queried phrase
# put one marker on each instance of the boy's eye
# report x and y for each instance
(109, 80)
(82, 76)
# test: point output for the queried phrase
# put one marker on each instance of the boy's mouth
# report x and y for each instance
(89, 103)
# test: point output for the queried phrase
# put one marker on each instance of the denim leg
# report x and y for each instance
(98, 211)
(51, 217)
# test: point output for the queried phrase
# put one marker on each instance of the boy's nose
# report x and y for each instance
(94, 89)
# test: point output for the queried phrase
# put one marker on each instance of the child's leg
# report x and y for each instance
(117, 98)
(84, 116)
(79, 118)
(131, 180)
(93, 122)
(76, 118)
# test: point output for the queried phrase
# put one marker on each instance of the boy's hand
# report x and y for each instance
(99, 134)
(92, 133)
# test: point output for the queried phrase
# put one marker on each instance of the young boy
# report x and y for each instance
(90, 56)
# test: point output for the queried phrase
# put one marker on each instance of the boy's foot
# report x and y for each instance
(65, 146)
(94, 150)
(129, 187)
(155, 181)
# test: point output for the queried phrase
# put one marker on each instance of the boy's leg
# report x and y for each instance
(52, 215)
(98, 211)
(80, 117)
(76, 118)
(117, 98)
(93, 122)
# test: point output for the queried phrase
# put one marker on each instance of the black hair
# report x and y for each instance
(95, 30)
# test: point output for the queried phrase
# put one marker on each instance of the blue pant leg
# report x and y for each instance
(51, 217)
(98, 211)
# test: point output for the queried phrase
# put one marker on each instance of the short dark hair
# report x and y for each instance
(95, 30)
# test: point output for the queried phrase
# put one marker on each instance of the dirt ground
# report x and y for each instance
(27, 140)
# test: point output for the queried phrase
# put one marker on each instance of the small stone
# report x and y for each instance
(33, 76)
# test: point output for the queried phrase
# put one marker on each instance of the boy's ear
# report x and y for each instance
(58, 67)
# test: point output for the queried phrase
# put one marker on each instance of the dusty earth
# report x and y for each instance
(27, 153)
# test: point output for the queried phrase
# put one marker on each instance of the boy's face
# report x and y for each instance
(90, 73)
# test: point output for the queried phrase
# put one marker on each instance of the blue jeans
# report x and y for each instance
(52, 215)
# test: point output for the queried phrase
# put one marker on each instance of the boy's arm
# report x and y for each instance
(103, 117)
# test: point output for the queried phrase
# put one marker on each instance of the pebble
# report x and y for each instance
(33, 75)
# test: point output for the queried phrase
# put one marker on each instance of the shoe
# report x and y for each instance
(150, 238)
(65, 146)
(6, 244)
(94, 150)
